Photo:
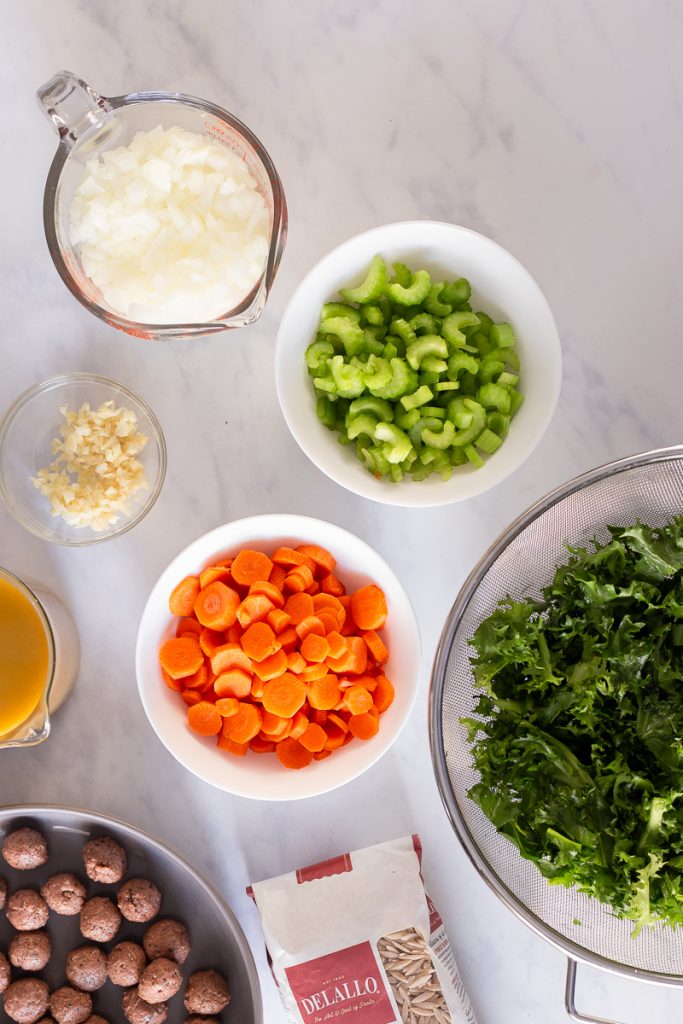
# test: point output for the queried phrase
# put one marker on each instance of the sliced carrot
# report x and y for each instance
(384, 693)
(284, 696)
(245, 724)
(305, 574)
(283, 736)
(288, 558)
(216, 605)
(331, 585)
(210, 640)
(213, 573)
(367, 681)
(324, 694)
(313, 672)
(273, 593)
(335, 737)
(373, 711)
(225, 562)
(292, 755)
(314, 739)
(299, 607)
(321, 755)
(227, 706)
(313, 588)
(230, 656)
(376, 646)
(363, 727)
(234, 633)
(278, 620)
(337, 720)
(288, 638)
(369, 607)
(320, 556)
(199, 680)
(277, 576)
(259, 642)
(181, 601)
(339, 645)
(250, 566)
(355, 660)
(329, 603)
(274, 725)
(254, 608)
(296, 662)
(257, 688)
(261, 746)
(191, 697)
(271, 667)
(311, 624)
(315, 648)
(357, 700)
(296, 582)
(181, 656)
(204, 719)
(175, 684)
(188, 627)
(299, 724)
(225, 743)
(233, 683)
(319, 717)
(329, 620)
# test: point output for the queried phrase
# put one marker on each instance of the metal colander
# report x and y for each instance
(647, 487)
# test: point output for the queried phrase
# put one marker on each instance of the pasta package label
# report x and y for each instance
(357, 938)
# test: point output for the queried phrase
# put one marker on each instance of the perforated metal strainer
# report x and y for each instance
(649, 488)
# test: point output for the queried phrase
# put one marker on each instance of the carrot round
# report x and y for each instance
(227, 706)
(213, 573)
(191, 697)
(261, 746)
(311, 624)
(363, 727)
(284, 696)
(181, 656)
(299, 724)
(289, 558)
(314, 738)
(199, 680)
(174, 684)
(229, 656)
(181, 601)
(335, 737)
(376, 646)
(204, 719)
(320, 556)
(188, 627)
(299, 607)
(269, 590)
(324, 694)
(250, 566)
(254, 608)
(357, 700)
(272, 666)
(216, 606)
(383, 695)
(331, 585)
(315, 648)
(239, 749)
(258, 641)
(233, 683)
(369, 607)
(274, 725)
(245, 724)
(292, 755)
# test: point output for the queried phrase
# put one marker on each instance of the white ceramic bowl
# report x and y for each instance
(262, 777)
(500, 286)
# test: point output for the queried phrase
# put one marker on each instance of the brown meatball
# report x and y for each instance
(25, 849)
(30, 951)
(125, 964)
(206, 992)
(69, 1006)
(27, 910)
(202, 1020)
(137, 1011)
(100, 919)
(167, 938)
(26, 1000)
(5, 972)
(64, 894)
(46, 1020)
(160, 980)
(105, 860)
(96, 1019)
(86, 968)
(139, 900)
(3, 892)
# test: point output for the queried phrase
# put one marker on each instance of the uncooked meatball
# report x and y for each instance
(25, 849)
(64, 894)
(26, 1000)
(105, 860)
(167, 938)
(27, 910)
(86, 968)
(100, 919)
(30, 951)
(139, 900)
(206, 992)
(3, 892)
(160, 980)
(137, 1011)
(125, 964)
(5, 972)
(69, 1006)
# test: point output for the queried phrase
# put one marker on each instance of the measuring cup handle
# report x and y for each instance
(72, 105)
(569, 998)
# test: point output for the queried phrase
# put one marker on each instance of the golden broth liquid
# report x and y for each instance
(24, 658)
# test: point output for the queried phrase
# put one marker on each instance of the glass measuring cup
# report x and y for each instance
(55, 629)
(88, 124)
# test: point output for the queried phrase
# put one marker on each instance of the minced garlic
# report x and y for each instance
(96, 472)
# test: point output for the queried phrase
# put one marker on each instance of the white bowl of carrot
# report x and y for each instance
(277, 657)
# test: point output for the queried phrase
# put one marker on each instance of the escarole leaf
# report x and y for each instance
(577, 733)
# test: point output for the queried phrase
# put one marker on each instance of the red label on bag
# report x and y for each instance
(334, 866)
(347, 981)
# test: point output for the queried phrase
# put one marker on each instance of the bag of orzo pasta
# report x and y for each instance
(359, 935)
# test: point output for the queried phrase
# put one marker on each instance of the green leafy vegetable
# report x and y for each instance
(579, 734)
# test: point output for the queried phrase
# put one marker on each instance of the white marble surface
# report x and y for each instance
(555, 128)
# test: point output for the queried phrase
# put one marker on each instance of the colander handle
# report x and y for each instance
(569, 999)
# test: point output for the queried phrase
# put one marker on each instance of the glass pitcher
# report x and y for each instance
(35, 612)
(89, 124)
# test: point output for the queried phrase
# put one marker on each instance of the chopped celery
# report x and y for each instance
(317, 354)
(403, 381)
(502, 335)
(434, 410)
(406, 419)
(489, 370)
(377, 406)
(373, 314)
(452, 326)
(516, 400)
(390, 350)
(473, 455)
(508, 380)
(417, 291)
(498, 423)
(371, 344)
(425, 323)
(435, 303)
(403, 330)
(377, 373)
(362, 423)
(432, 364)
(460, 362)
(426, 345)
(349, 333)
(446, 385)
(402, 274)
(373, 286)
(494, 396)
(335, 309)
(488, 441)
(428, 422)
(441, 439)
(418, 398)
(325, 384)
(397, 444)
(326, 412)
(348, 379)
(457, 292)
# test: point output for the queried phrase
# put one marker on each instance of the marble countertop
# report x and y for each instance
(554, 128)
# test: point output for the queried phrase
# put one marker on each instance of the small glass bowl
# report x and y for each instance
(26, 433)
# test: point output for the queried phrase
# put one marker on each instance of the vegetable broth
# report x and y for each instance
(24, 657)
